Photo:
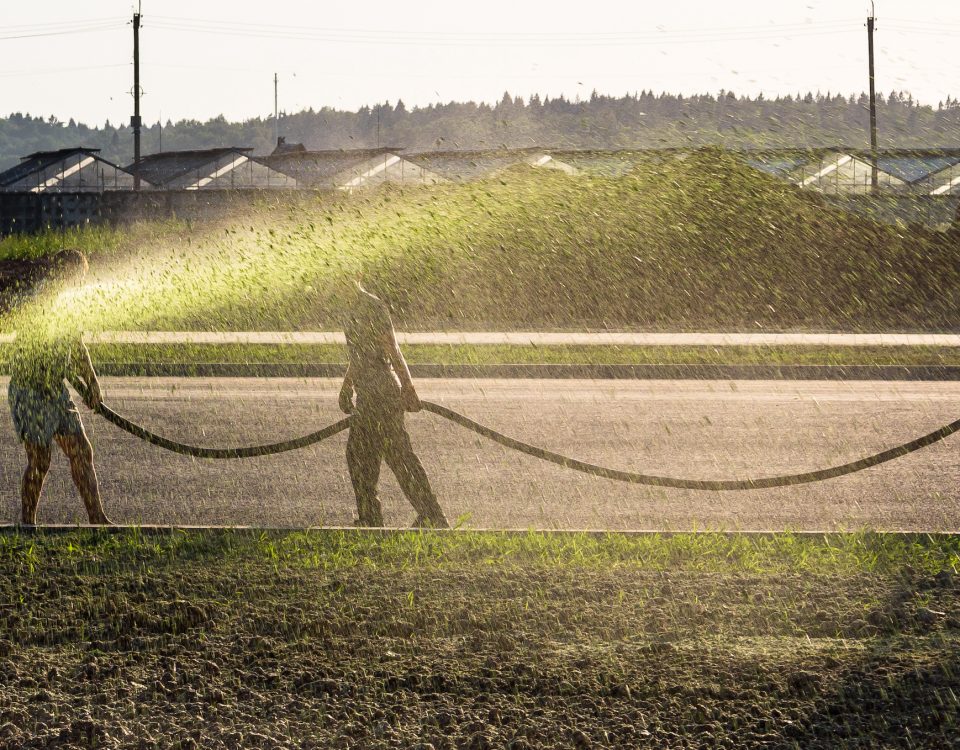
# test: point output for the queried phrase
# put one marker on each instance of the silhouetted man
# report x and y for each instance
(377, 373)
(43, 412)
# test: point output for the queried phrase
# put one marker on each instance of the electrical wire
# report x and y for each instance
(50, 71)
(65, 31)
(217, 23)
(28, 27)
(503, 42)
(422, 38)
(924, 32)
(926, 23)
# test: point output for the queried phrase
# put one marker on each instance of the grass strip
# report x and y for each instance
(714, 552)
(517, 354)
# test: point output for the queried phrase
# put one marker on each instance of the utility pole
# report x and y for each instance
(874, 182)
(135, 120)
(276, 113)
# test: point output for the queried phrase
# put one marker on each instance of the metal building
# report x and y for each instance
(230, 168)
(73, 170)
(942, 176)
(350, 169)
(464, 166)
(849, 171)
(608, 162)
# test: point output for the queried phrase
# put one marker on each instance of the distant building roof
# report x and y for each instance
(40, 160)
(475, 165)
(913, 167)
(778, 165)
(79, 168)
(608, 162)
(168, 169)
(322, 168)
(907, 165)
(60, 153)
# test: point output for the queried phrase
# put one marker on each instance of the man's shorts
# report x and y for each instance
(38, 416)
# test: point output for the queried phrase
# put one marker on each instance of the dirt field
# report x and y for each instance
(327, 639)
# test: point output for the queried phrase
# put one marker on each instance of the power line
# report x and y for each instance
(952, 33)
(485, 38)
(628, 41)
(25, 27)
(218, 23)
(926, 22)
(50, 71)
(223, 68)
(66, 31)
(496, 36)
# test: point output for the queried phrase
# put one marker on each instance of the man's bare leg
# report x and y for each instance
(38, 464)
(363, 461)
(413, 480)
(80, 454)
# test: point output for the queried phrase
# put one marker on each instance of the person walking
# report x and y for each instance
(377, 374)
(44, 357)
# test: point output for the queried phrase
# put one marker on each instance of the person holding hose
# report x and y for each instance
(45, 355)
(378, 375)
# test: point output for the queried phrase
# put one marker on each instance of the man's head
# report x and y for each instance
(69, 265)
(367, 282)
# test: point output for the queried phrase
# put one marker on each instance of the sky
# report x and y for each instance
(203, 59)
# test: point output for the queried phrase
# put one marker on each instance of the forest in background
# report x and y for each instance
(634, 121)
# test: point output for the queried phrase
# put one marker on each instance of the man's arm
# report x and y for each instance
(346, 392)
(84, 368)
(408, 394)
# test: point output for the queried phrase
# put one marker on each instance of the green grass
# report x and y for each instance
(513, 354)
(100, 242)
(711, 552)
(700, 243)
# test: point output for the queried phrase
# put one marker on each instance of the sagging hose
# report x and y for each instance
(535, 451)
(197, 451)
(695, 484)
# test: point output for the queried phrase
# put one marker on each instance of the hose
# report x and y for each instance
(694, 484)
(202, 452)
(785, 480)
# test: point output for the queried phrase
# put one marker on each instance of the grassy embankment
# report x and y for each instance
(700, 244)
(319, 639)
(703, 243)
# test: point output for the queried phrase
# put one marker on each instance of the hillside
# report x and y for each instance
(697, 243)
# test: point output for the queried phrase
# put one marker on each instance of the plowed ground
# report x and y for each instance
(332, 639)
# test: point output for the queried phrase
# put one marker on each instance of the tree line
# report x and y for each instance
(634, 121)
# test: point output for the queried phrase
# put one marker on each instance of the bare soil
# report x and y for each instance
(206, 641)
